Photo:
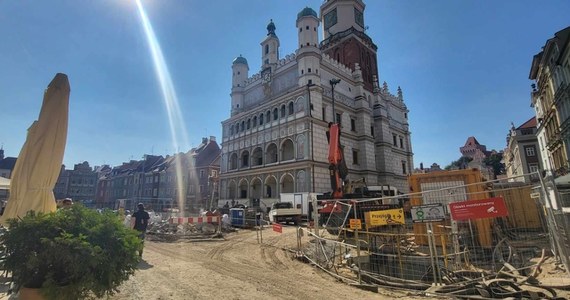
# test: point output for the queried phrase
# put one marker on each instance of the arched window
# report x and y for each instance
(261, 119)
(254, 121)
(283, 111)
(266, 49)
(232, 130)
(248, 123)
(245, 159)
(242, 125)
(290, 108)
(275, 114)
(267, 117)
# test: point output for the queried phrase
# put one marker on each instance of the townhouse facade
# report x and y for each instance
(522, 155)
(550, 98)
(180, 181)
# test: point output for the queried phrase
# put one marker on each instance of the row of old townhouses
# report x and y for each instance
(185, 181)
(275, 139)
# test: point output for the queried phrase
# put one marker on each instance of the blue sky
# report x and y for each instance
(463, 67)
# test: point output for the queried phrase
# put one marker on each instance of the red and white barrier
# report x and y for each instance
(195, 220)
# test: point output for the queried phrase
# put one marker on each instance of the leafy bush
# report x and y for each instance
(72, 253)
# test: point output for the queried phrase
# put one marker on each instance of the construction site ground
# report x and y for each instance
(236, 267)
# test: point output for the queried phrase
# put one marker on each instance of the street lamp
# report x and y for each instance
(333, 82)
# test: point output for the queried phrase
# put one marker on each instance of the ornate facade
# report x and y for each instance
(550, 97)
(275, 140)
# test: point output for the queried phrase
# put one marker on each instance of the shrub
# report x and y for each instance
(72, 253)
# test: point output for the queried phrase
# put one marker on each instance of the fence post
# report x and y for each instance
(400, 255)
(551, 220)
(358, 255)
(431, 254)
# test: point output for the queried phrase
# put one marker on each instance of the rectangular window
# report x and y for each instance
(354, 157)
(533, 169)
(404, 169)
(338, 118)
(372, 130)
(352, 124)
(201, 173)
(401, 143)
(214, 173)
(154, 192)
(529, 151)
(324, 113)
(191, 189)
(201, 189)
(394, 140)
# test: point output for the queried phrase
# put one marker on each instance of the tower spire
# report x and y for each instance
(271, 27)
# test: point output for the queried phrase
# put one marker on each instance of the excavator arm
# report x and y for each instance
(337, 165)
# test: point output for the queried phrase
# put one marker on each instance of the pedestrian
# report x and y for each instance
(66, 203)
(139, 220)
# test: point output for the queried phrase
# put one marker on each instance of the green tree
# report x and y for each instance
(494, 161)
(461, 163)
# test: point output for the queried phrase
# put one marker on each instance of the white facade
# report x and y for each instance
(275, 140)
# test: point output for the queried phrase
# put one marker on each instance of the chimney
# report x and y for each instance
(212, 138)
(204, 140)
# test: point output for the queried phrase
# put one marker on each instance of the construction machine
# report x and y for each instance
(349, 199)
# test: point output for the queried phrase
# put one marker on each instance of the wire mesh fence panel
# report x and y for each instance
(490, 238)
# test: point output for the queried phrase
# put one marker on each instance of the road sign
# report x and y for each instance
(428, 213)
(386, 217)
(355, 224)
(478, 209)
(278, 228)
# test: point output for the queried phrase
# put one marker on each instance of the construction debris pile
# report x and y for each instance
(536, 278)
(167, 232)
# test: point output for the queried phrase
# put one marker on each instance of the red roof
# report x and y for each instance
(528, 124)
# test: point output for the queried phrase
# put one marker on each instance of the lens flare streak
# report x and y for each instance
(175, 119)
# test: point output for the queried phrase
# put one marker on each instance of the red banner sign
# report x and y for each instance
(277, 228)
(478, 209)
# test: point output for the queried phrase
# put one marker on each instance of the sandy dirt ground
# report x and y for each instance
(239, 267)
(236, 268)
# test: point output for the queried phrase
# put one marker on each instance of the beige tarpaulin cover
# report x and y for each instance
(4, 183)
(39, 163)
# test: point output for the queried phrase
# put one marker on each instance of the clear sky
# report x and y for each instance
(463, 67)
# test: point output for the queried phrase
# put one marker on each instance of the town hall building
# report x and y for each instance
(275, 139)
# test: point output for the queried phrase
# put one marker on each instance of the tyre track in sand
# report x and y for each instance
(269, 253)
(235, 268)
(229, 260)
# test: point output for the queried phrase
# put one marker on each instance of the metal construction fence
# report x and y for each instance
(492, 239)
